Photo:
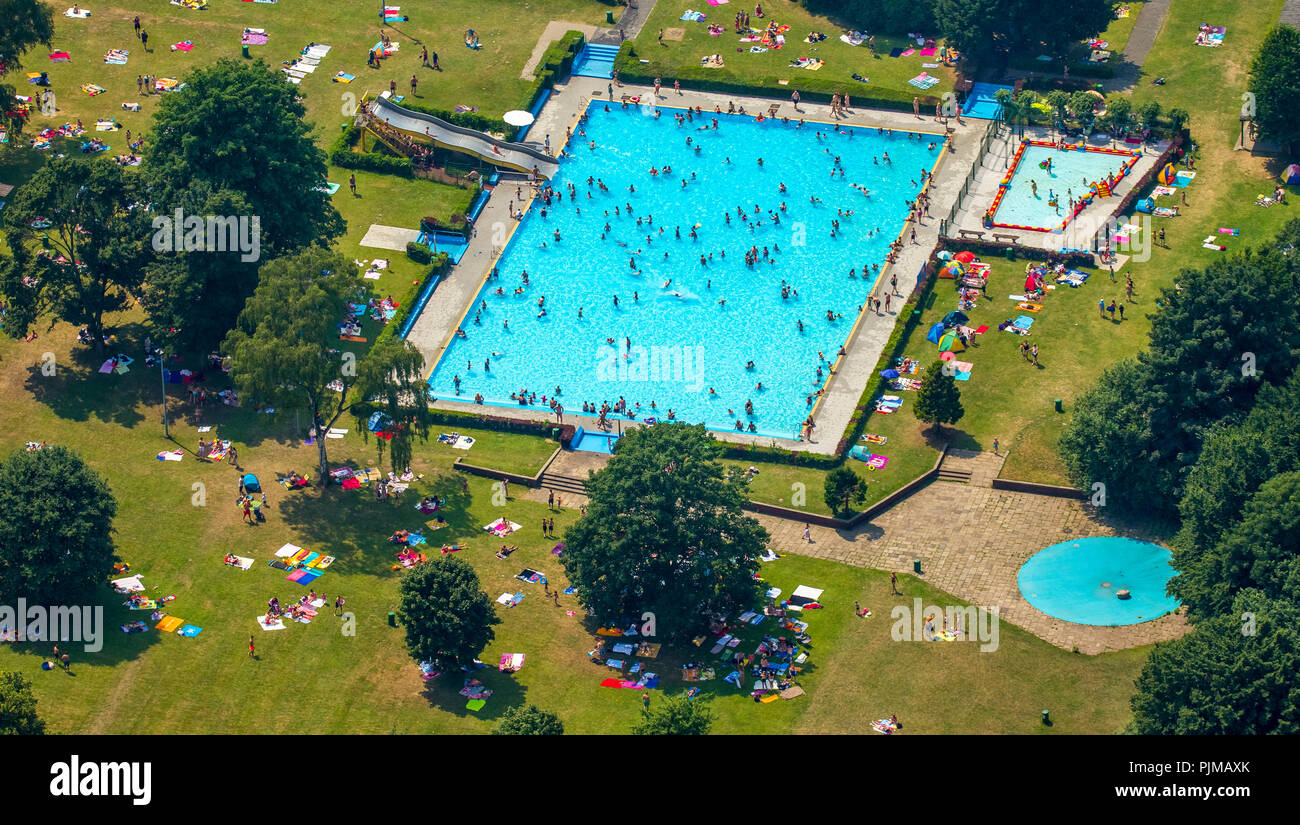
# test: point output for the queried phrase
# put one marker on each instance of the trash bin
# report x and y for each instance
(244, 49)
(392, 619)
(1058, 405)
(916, 566)
(1046, 718)
(555, 433)
(609, 17)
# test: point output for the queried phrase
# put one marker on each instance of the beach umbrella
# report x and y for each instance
(1291, 175)
(964, 257)
(943, 255)
(518, 117)
(946, 355)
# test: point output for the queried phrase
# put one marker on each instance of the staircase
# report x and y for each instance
(562, 483)
(959, 476)
(595, 60)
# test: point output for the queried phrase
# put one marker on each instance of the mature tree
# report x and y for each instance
(844, 487)
(1275, 83)
(1150, 113)
(938, 402)
(194, 293)
(17, 704)
(529, 720)
(1107, 439)
(27, 23)
(1231, 328)
(676, 716)
(1235, 461)
(664, 534)
(98, 241)
(235, 137)
(1234, 674)
(890, 16)
(1059, 102)
(447, 616)
(392, 380)
(284, 349)
(1254, 553)
(1082, 107)
(56, 536)
(986, 29)
(1119, 111)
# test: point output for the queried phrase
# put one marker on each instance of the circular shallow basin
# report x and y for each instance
(1081, 581)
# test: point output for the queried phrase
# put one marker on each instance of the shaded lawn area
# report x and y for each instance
(1119, 30)
(315, 678)
(766, 70)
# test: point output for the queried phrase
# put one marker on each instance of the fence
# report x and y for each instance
(990, 132)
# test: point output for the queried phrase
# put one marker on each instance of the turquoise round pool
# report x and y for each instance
(1079, 581)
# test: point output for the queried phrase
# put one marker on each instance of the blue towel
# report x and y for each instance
(414, 539)
(1024, 322)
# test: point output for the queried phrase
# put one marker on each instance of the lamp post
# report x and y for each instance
(162, 379)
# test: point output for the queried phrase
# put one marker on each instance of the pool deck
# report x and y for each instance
(1079, 231)
(443, 314)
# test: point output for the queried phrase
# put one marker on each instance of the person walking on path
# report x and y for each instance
(893, 584)
(995, 446)
(251, 647)
(807, 533)
(794, 97)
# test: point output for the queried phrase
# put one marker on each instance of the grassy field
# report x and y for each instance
(1120, 28)
(314, 679)
(771, 69)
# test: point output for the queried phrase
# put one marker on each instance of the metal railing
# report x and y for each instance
(986, 140)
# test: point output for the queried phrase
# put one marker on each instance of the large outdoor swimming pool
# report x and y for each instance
(1022, 206)
(692, 327)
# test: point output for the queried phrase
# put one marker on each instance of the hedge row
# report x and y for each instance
(631, 70)
(506, 425)
(343, 154)
(439, 265)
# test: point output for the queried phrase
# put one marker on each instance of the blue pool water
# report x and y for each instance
(1077, 581)
(1020, 206)
(683, 341)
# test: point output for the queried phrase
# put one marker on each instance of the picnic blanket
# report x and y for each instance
(924, 81)
(117, 57)
(885, 726)
(130, 584)
(92, 89)
(80, 14)
(502, 527)
(270, 624)
(253, 37)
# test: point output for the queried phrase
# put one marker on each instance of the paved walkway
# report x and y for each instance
(1150, 20)
(1290, 14)
(982, 466)
(972, 541)
(1081, 231)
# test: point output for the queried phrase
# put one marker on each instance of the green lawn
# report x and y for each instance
(770, 69)
(1120, 28)
(312, 678)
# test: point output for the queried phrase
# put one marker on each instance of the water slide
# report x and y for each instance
(521, 157)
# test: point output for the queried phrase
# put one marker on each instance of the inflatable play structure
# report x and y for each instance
(1099, 189)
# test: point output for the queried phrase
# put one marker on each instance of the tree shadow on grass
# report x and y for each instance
(77, 391)
(118, 647)
(354, 528)
(443, 692)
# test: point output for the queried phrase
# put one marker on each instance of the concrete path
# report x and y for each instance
(1150, 20)
(1290, 14)
(972, 541)
(554, 31)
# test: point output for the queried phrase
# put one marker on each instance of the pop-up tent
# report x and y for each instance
(935, 333)
(251, 484)
(1291, 175)
(954, 318)
(950, 341)
(1145, 205)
